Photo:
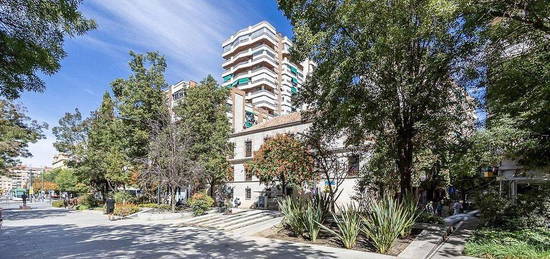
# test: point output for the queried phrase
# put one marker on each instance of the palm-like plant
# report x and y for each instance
(293, 211)
(349, 225)
(388, 219)
(314, 216)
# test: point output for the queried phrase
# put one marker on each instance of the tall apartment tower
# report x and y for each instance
(256, 62)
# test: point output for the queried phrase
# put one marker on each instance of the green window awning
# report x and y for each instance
(293, 90)
(294, 80)
(248, 124)
(244, 80)
(293, 69)
(227, 78)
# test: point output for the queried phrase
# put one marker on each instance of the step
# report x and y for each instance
(243, 220)
(253, 229)
(255, 221)
(199, 218)
(225, 218)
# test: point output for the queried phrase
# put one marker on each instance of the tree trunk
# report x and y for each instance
(405, 162)
(173, 198)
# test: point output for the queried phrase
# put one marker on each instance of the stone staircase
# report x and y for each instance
(240, 222)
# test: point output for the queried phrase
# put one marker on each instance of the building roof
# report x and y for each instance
(277, 121)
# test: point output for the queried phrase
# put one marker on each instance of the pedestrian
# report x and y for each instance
(430, 207)
(110, 207)
(457, 207)
(439, 209)
(24, 198)
(237, 202)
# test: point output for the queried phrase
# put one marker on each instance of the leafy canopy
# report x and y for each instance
(282, 158)
(31, 40)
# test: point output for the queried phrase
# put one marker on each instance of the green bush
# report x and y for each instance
(57, 204)
(499, 243)
(88, 200)
(427, 217)
(531, 209)
(200, 202)
(386, 220)
(349, 225)
(126, 209)
(156, 206)
(82, 207)
(124, 197)
(314, 217)
(293, 210)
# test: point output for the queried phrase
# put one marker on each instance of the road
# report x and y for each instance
(58, 233)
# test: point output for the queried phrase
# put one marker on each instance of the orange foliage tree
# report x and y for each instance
(46, 186)
(282, 159)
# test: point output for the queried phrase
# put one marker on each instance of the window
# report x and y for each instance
(248, 148)
(248, 194)
(353, 164)
(247, 175)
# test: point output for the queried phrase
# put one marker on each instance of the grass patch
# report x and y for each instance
(496, 243)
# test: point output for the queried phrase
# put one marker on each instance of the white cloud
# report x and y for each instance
(42, 151)
(189, 33)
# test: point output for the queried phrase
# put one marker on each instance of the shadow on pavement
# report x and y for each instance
(138, 241)
(13, 214)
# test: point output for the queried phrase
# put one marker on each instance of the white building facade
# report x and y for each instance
(248, 188)
(256, 61)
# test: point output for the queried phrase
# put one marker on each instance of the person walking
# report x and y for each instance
(430, 207)
(439, 209)
(457, 207)
(24, 198)
(110, 207)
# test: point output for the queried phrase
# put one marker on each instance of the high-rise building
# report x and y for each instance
(256, 62)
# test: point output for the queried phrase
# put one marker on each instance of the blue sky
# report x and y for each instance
(189, 33)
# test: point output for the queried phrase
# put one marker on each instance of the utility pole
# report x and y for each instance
(30, 188)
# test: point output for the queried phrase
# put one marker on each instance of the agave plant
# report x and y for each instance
(293, 210)
(349, 225)
(314, 216)
(386, 220)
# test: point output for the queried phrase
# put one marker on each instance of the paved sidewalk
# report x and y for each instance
(454, 246)
(58, 233)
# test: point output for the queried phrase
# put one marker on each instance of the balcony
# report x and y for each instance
(251, 40)
(248, 63)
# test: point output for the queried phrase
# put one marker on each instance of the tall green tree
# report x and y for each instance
(203, 113)
(104, 164)
(385, 69)
(71, 134)
(17, 130)
(515, 72)
(140, 102)
(31, 40)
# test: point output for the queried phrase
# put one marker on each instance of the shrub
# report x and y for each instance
(156, 206)
(386, 220)
(87, 200)
(427, 217)
(293, 210)
(124, 210)
(531, 210)
(349, 225)
(313, 219)
(82, 207)
(499, 243)
(200, 202)
(124, 197)
(57, 204)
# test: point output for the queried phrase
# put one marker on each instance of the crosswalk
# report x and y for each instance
(240, 222)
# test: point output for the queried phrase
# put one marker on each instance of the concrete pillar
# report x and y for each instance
(238, 97)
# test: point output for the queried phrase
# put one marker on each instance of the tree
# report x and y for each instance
(140, 102)
(515, 71)
(330, 163)
(71, 134)
(31, 40)
(104, 164)
(17, 130)
(282, 159)
(44, 186)
(203, 113)
(67, 181)
(385, 68)
(171, 161)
